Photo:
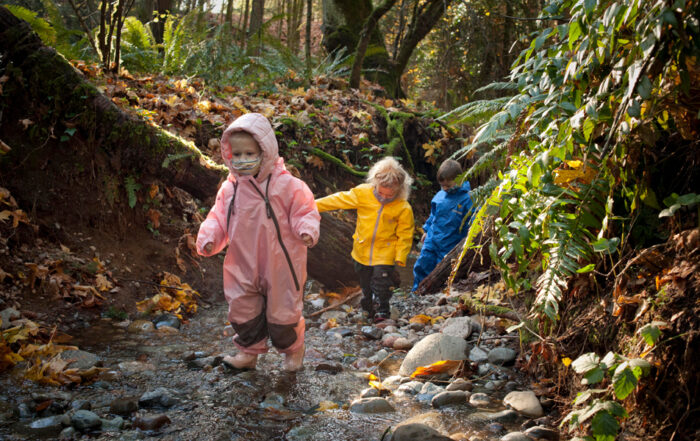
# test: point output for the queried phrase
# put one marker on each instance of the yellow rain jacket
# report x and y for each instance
(383, 233)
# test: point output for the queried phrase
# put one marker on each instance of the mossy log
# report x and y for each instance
(476, 259)
(44, 88)
(329, 261)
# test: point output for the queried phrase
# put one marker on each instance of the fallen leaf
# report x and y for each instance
(420, 318)
(438, 367)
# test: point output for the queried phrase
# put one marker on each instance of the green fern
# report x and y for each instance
(131, 187)
(42, 28)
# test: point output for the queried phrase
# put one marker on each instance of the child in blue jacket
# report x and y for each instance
(444, 228)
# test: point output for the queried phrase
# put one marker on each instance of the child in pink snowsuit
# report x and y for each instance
(268, 218)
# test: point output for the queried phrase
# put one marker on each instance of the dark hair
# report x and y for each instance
(449, 169)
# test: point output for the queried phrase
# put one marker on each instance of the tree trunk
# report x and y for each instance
(256, 17)
(475, 260)
(329, 261)
(307, 38)
(367, 30)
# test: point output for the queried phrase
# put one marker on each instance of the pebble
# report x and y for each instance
(371, 405)
(138, 326)
(541, 432)
(370, 392)
(330, 367)
(80, 359)
(525, 402)
(68, 433)
(166, 320)
(515, 436)
(123, 406)
(160, 397)
(417, 431)
(49, 426)
(504, 416)
(448, 398)
(372, 332)
(478, 355)
(410, 388)
(273, 401)
(479, 400)
(495, 427)
(389, 339)
(458, 327)
(460, 384)
(501, 356)
(85, 420)
(150, 422)
(81, 405)
(114, 425)
(132, 367)
(402, 344)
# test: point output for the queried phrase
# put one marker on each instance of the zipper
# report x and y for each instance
(374, 233)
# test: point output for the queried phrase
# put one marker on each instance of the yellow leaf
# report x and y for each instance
(327, 405)
(566, 361)
(372, 377)
(420, 318)
(574, 164)
(377, 385)
(436, 368)
(102, 283)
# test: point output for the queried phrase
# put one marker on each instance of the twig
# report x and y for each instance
(328, 308)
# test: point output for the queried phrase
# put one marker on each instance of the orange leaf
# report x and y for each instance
(438, 367)
(420, 318)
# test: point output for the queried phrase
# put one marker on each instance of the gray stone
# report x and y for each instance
(161, 397)
(458, 327)
(84, 420)
(7, 315)
(24, 410)
(495, 427)
(460, 384)
(371, 332)
(151, 422)
(81, 359)
(479, 400)
(410, 388)
(273, 401)
(501, 356)
(448, 398)
(123, 406)
(393, 382)
(478, 355)
(504, 416)
(138, 326)
(202, 363)
(541, 432)
(330, 367)
(524, 402)
(133, 367)
(417, 431)
(432, 348)
(370, 392)
(49, 426)
(371, 405)
(68, 433)
(515, 436)
(167, 320)
(338, 315)
(403, 344)
(114, 425)
(81, 405)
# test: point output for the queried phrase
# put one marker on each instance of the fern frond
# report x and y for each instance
(499, 87)
(474, 111)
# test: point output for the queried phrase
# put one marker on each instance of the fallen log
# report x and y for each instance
(329, 261)
(476, 259)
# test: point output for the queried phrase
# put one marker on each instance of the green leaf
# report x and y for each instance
(670, 211)
(594, 376)
(635, 109)
(644, 88)
(624, 381)
(574, 34)
(604, 426)
(586, 269)
(588, 127)
(688, 199)
(640, 367)
(650, 334)
(585, 363)
(589, 5)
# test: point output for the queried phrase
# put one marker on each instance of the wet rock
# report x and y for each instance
(7, 315)
(510, 386)
(388, 340)
(371, 332)
(428, 391)
(432, 348)
(393, 381)
(123, 406)
(495, 427)
(24, 410)
(166, 320)
(168, 330)
(504, 416)
(547, 403)
(460, 384)
(390, 329)
(273, 401)
(335, 314)
(202, 363)
(479, 400)
(81, 359)
(458, 327)
(448, 398)
(40, 397)
(49, 426)
(379, 356)
(67, 434)
(501, 356)
(304, 433)
(371, 405)
(343, 332)
(114, 425)
(484, 369)
(386, 323)
(81, 405)
(151, 422)
(493, 385)
(515, 436)
(542, 433)
(410, 388)
(138, 326)
(362, 364)
(370, 392)
(478, 355)
(402, 344)
(416, 326)
(84, 420)
(417, 431)
(524, 402)
(330, 367)
(160, 397)
(133, 367)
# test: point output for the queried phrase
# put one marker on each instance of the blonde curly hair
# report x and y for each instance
(387, 172)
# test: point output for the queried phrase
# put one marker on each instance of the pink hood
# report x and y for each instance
(259, 128)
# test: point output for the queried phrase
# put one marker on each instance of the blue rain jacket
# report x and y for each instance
(446, 213)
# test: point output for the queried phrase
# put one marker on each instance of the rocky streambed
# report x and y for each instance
(164, 379)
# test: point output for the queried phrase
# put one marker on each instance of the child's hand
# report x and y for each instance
(208, 247)
(308, 240)
(422, 239)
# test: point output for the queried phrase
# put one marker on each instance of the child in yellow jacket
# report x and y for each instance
(384, 229)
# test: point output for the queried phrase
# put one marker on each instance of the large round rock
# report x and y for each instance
(432, 348)
(417, 431)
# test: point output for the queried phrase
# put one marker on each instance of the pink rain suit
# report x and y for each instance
(263, 294)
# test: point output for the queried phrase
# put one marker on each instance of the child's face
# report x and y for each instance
(448, 184)
(387, 193)
(245, 154)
